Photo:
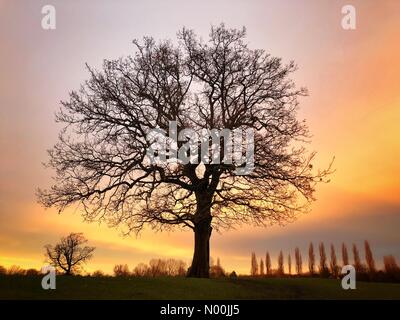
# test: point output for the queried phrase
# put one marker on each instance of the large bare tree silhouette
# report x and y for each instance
(100, 158)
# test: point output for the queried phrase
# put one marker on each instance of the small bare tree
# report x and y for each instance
(3, 270)
(217, 271)
(15, 270)
(281, 266)
(121, 270)
(289, 262)
(299, 261)
(311, 259)
(369, 258)
(268, 269)
(345, 255)
(141, 270)
(390, 265)
(98, 274)
(261, 267)
(254, 265)
(323, 269)
(69, 254)
(357, 260)
(333, 263)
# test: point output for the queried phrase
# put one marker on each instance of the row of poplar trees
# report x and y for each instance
(324, 268)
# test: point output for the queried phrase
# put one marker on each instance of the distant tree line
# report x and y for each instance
(163, 267)
(327, 267)
(155, 268)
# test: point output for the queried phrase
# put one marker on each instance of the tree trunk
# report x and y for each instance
(200, 267)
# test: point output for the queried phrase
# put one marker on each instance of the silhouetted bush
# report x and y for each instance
(121, 270)
(160, 267)
(98, 273)
(3, 270)
(141, 270)
(32, 272)
(15, 270)
(217, 272)
(392, 270)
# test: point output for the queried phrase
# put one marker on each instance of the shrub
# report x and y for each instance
(141, 270)
(3, 270)
(32, 272)
(98, 273)
(392, 270)
(15, 270)
(121, 270)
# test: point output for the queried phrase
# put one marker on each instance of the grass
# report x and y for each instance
(29, 287)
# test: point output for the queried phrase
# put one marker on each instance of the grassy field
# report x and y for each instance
(19, 287)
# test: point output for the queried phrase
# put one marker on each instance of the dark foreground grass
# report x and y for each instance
(29, 287)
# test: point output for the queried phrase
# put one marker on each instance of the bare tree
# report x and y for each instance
(158, 267)
(3, 270)
(165, 267)
(31, 272)
(289, 264)
(254, 265)
(311, 259)
(15, 270)
(268, 269)
(101, 160)
(217, 270)
(333, 263)
(261, 267)
(141, 270)
(98, 274)
(345, 255)
(299, 261)
(121, 270)
(357, 260)
(323, 269)
(369, 258)
(69, 254)
(390, 265)
(281, 266)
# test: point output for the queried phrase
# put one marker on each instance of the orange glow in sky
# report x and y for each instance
(353, 112)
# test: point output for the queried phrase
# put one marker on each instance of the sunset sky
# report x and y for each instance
(353, 112)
